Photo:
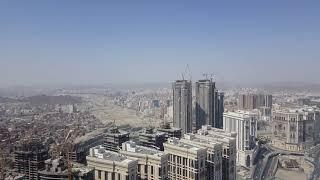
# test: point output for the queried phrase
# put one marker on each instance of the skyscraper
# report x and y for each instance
(218, 119)
(254, 101)
(182, 105)
(205, 103)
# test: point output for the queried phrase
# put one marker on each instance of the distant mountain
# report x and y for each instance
(52, 100)
(8, 100)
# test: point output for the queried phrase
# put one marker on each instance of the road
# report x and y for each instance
(265, 164)
(316, 171)
(259, 163)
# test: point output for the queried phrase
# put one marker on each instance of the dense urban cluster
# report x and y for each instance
(190, 131)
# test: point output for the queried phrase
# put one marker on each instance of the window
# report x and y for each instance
(160, 171)
(99, 174)
(151, 170)
(146, 169)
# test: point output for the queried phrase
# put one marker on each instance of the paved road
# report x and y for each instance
(316, 172)
(269, 168)
(266, 161)
(260, 163)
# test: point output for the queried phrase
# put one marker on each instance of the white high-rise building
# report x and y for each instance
(245, 125)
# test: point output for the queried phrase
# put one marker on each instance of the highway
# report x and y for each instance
(259, 163)
(265, 164)
(316, 171)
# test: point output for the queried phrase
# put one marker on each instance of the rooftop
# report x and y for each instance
(131, 146)
(90, 135)
(101, 153)
(178, 143)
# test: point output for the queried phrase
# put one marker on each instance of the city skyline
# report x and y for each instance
(107, 42)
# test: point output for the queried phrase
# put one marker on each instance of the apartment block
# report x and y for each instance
(186, 161)
(229, 148)
(254, 101)
(152, 163)
(244, 124)
(152, 138)
(110, 165)
(214, 154)
(295, 129)
(114, 139)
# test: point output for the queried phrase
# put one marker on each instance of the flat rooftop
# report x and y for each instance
(178, 143)
(101, 153)
(132, 147)
(90, 135)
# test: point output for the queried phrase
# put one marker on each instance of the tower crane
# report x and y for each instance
(208, 75)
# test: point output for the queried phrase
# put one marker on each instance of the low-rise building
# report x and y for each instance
(111, 165)
(170, 132)
(114, 139)
(152, 139)
(152, 163)
(57, 169)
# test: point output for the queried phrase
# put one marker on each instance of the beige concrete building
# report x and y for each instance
(244, 123)
(295, 130)
(186, 162)
(229, 148)
(214, 154)
(110, 165)
(152, 164)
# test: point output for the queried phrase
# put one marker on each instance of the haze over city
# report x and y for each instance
(159, 90)
(54, 42)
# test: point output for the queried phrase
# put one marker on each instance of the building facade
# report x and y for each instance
(186, 162)
(205, 103)
(214, 154)
(114, 139)
(170, 132)
(182, 105)
(29, 158)
(111, 165)
(254, 101)
(229, 148)
(152, 163)
(56, 169)
(152, 139)
(219, 110)
(245, 125)
(295, 130)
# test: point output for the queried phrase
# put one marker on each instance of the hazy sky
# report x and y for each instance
(88, 42)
